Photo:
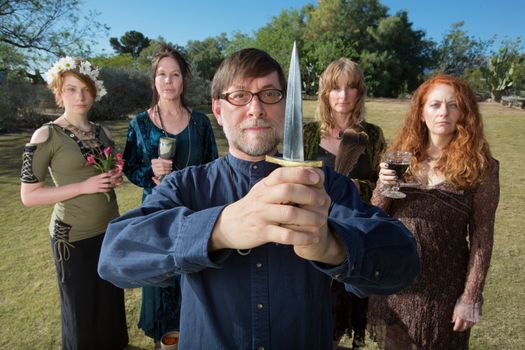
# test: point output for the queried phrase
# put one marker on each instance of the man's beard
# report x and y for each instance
(254, 145)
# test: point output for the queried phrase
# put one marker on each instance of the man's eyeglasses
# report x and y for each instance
(242, 97)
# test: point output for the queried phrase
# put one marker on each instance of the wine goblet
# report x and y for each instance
(398, 161)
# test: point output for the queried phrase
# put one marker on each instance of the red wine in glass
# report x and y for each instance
(400, 168)
(399, 162)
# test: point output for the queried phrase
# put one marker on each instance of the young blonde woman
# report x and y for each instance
(344, 140)
(93, 314)
(452, 196)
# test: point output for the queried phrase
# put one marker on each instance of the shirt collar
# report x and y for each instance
(246, 165)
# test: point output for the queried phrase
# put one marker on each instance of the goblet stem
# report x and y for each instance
(395, 188)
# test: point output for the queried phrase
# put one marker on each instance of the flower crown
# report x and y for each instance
(84, 67)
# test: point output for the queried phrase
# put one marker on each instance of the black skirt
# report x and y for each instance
(93, 311)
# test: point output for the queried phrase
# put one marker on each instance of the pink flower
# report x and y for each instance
(91, 160)
(107, 162)
(120, 165)
(107, 151)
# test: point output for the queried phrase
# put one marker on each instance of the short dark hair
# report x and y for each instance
(167, 50)
(246, 63)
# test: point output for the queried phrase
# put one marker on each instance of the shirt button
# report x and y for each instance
(376, 274)
(255, 166)
(259, 265)
(259, 306)
(260, 348)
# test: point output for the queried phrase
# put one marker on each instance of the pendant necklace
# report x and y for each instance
(157, 109)
(85, 134)
(88, 138)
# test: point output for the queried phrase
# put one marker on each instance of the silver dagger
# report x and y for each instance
(293, 151)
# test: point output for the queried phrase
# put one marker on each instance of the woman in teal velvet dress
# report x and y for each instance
(195, 144)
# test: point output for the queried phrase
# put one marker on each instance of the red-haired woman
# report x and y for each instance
(451, 212)
(93, 313)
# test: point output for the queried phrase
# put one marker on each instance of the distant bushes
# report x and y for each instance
(128, 92)
(26, 105)
(22, 105)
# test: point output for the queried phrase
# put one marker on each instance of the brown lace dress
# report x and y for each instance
(454, 232)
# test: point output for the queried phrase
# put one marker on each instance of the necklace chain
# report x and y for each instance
(86, 134)
(157, 110)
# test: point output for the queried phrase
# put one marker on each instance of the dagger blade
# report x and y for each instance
(293, 118)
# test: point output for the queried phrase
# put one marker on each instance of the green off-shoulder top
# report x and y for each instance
(64, 157)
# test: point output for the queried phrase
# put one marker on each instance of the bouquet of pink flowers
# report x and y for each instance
(107, 162)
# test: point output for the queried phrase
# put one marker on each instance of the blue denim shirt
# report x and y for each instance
(270, 298)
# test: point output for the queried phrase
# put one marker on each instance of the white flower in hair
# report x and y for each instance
(51, 74)
(101, 91)
(84, 67)
(93, 74)
(68, 63)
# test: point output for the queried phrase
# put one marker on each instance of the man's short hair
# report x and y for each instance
(246, 63)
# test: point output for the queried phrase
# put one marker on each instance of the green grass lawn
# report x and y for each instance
(29, 301)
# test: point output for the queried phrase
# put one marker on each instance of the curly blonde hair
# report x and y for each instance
(466, 159)
(343, 67)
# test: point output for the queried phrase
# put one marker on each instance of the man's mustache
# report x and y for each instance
(256, 123)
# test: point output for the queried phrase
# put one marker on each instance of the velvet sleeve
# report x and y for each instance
(137, 165)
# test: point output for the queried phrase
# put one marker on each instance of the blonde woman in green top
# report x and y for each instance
(345, 141)
(93, 314)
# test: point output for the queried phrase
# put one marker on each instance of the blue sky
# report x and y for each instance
(181, 20)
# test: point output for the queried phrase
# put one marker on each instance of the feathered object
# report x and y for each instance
(353, 144)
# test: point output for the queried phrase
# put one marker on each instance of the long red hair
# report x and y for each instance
(466, 159)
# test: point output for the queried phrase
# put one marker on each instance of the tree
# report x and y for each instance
(131, 42)
(10, 59)
(278, 36)
(42, 28)
(206, 55)
(391, 53)
(346, 21)
(238, 41)
(458, 51)
(124, 61)
(405, 53)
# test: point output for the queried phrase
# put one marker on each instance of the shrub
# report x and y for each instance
(23, 105)
(129, 91)
(197, 90)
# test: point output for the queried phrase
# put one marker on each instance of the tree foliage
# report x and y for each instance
(41, 28)
(206, 55)
(458, 51)
(392, 54)
(132, 42)
(278, 36)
